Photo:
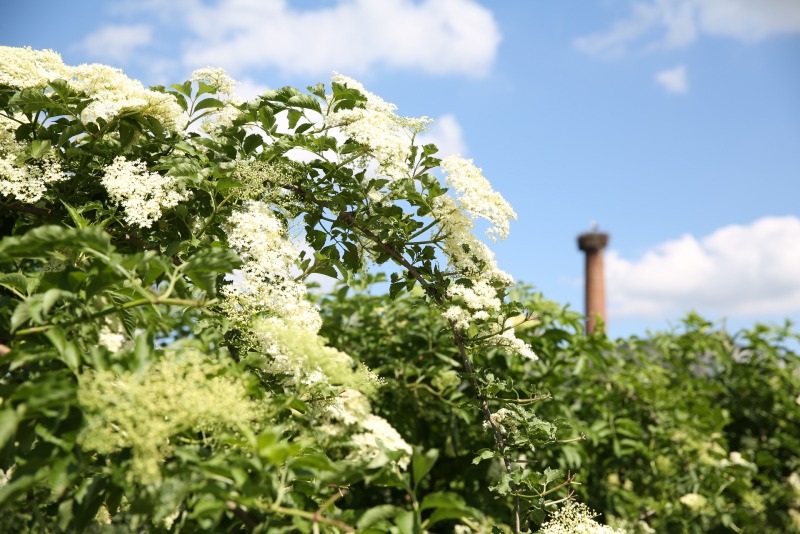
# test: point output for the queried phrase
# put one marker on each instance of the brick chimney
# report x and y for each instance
(593, 243)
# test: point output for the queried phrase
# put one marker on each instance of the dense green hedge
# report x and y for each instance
(689, 430)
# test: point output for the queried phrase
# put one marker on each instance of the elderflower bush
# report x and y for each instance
(163, 366)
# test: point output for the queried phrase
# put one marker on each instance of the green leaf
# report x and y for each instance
(205, 88)
(41, 241)
(51, 297)
(351, 258)
(71, 356)
(305, 101)
(203, 267)
(142, 350)
(444, 514)
(251, 142)
(376, 514)
(21, 315)
(208, 103)
(442, 499)
(318, 90)
(184, 88)
(126, 316)
(8, 425)
(266, 117)
(422, 464)
(396, 287)
(316, 238)
(294, 117)
(58, 338)
(406, 523)
(213, 259)
(485, 454)
(551, 475)
(19, 484)
(79, 220)
(39, 148)
(17, 282)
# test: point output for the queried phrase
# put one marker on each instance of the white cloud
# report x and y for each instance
(749, 20)
(673, 80)
(677, 23)
(248, 89)
(447, 135)
(435, 36)
(737, 271)
(116, 42)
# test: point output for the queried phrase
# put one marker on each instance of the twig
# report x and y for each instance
(243, 516)
(569, 496)
(342, 491)
(581, 437)
(313, 517)
(569, 481)
(524, 401)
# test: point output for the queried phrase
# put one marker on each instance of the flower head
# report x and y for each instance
(142, 194)
(476, 195)
(25, 68)
(575, 518)
(378, 127)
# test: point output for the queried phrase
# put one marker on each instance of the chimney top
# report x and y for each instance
(593, 241)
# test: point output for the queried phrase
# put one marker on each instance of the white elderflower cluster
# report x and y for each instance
(477, 197)
(265, 283)
(694, 501)
(480, 299)
(575, 518)
(302, 355)
(142, 410)
(380, 433)
(510, 342)
(25, 181)
(223, 84)
(466, 254)
(225, 88)
(112, 92)
(498, 418)
(376, 126)
(25, 68)
(351, 408)
(472, 259)
(111, 340)
(143, 195)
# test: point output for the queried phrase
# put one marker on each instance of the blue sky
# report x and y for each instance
(674, 124)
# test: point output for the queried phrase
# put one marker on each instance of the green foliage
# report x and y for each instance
(160, 363)
(691, 430)
(429, 398)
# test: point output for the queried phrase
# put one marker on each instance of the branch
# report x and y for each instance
(243, 516)
(127, 305)
(498, 436)
(313, 517)
(568, 482)
(351, 220)
(580, 437)
(24, 208)
(524, 401)
(341, 492)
